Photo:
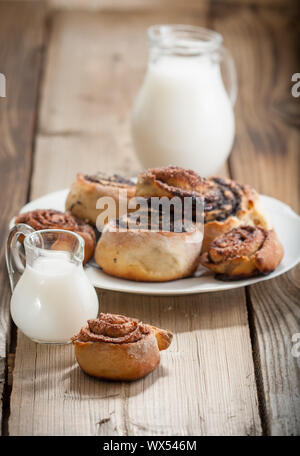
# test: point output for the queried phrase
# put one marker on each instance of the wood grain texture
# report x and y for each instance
(95, 124)
(119, 5)
(205, 384)
(20, 61)
(266, 155)
(267, 116)
(275, 314)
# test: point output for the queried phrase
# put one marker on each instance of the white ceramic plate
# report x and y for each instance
(285, 221)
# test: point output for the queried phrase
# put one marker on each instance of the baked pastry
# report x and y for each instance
(149, 255)
(43, 219)
(227, 204)
(244, 251)
(116, 347)
(170, 181)
(86, 191)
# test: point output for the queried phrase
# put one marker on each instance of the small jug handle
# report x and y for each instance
(230, 72)
(14, 264)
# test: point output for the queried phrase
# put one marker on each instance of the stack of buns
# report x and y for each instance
(233, 239)
(237, 242)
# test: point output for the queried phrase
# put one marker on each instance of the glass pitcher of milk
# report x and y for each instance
(52, 297)
(183, 115)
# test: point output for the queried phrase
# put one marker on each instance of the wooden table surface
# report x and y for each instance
(72, 76)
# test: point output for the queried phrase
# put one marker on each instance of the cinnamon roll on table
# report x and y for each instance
(243, 252)
(43, 219)
(87, 189)
(227, 204)
(116, 347)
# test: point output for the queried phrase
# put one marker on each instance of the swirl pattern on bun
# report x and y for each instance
(227, 204)
(170, 181)
(243, 252)
(43, 219)
(225, 197)
(87, 189)
(115, 329)
(117, 347)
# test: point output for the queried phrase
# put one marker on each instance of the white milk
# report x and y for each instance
(53, 300)
(183, 115)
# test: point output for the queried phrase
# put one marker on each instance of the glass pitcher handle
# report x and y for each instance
(230, 73)
(15, 265)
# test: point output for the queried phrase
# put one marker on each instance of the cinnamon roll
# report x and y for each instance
(243, 252)
(116, 347)
(43, 219)
(227, 204)
(170, 181)
(87, 189)
(148, 252)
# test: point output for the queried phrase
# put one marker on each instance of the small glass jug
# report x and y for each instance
(183, 115)
(52, 297)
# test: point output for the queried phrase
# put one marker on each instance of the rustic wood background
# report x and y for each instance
(73, 69)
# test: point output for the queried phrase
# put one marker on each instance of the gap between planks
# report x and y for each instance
(266, 155)
(17, 131)
(212, 349)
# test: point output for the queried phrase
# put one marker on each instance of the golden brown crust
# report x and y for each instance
(86, 191)
(227, 203)
(270, 255)
(244, 251)
(149, 256)
(170, 181)
(42, 219)
(116, 347)
(163, 338)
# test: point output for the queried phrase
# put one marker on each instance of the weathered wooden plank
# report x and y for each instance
(266, 155)
(103, 152)
(275, 315)
(91, 125)
(118, 5)
(85, 153)
(205, 384)
(21, 40)
(267, 141)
